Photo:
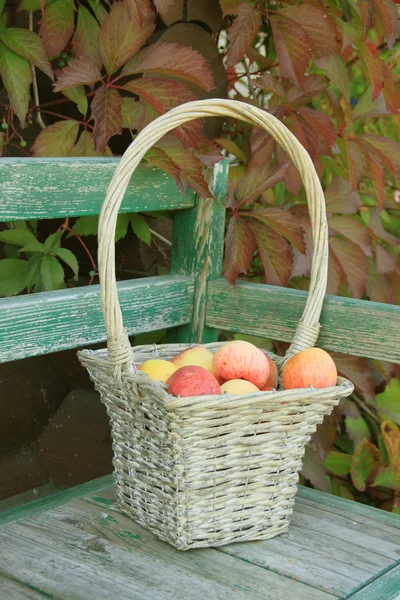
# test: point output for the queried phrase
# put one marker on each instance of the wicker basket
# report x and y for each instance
(207, 470)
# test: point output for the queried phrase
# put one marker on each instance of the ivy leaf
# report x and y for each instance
(270, 84)
(335, 69)
(327, 433)
(317, 26)
(370, 57)
(275, 254)
(340, 198)
(191, 169)
(57, 139)
(338, 463)
(239, 247)
(86, 225)
(33, 4)
(366, 107)
(27, 44)
(353, 230)
(257, 180)
(315, 130)
(242, 32)
(78, 95)
(230, 7)
(284, 223)
(386, 15)
(131, 113)
(388, 477)
(17, 237)
(353, 262)
(140, 11)
(231, 147)
(121, 228)
(57, 25)
(375, 224)
(357, 429)
(69, 258)
(121, 37)
(157, 157)
(313, 468)
(388, 401)
(390, 92)
(79, 71)
(174, 60)
(358, 371)
(391, 438)
(162, 95)
(84, 147)
(33, 247)
(107, 112)
(52, 273)
(380, 289)
(335, 275)
(33, 271)
(86, 38)
(16, 74)
(384, 148)
(163, 7)
(366, 460)
(98, 10)
(384, 260)
(12, 276)
(293, 48)
(53, 241)
(377, 175)
(141, 228)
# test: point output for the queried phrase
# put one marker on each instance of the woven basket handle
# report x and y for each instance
(119, 349)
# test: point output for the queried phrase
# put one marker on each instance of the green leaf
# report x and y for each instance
(388, 402)
(52, 273)
(131, 112)
(18, 237)
(387, 476)
(57, 139)
(53, 241)
(357, 429)
(33, 271)
(33, 4)
(121, 228)
(69, 258)
(86, 225)
(141, 228)
(85, 41)
(28, 45)
(98, 10)
(338, 463)
(12, 276)
(34, 247)
(57, 25)
(16, 74)
(232, 148)
(78, 95)
(2, 2)
(336, 70)
(366, 460)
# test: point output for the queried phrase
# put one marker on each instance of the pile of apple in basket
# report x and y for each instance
(239, 367)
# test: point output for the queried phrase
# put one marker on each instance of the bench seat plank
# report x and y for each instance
(357, 327)
(37, 324)
(44, 188)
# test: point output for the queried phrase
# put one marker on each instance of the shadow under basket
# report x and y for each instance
(207, 470)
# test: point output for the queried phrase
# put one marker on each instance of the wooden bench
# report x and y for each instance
(75, 545)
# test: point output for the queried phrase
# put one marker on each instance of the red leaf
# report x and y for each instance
(335, 68)
(366, 460)
(372, 62)
(230, 7)
(107, 112)
(158, 158)
(353, 230)
(313, 468)
(367, 13)
(190, 166)
(384, 261)
(120, 37)
(390, 92)
(57, 139)
(140, 11)
(377, 175)
(175, 60)
(239, 248)
(386, 149)
(316, 25)
(275, 253)
(86, 39)
(357, 370)
(79, 71)
(353, 262)
(326, 433)
(314, 130)
(386, 12)
(57, 25)
(375, 224)
(163, 7)
(293, 48)
(313, 85)
(340, 198)
(242, 32)
(380, 289)
(283, 222)
(257, 180)
(162, 95)
(391, 438)
(270, 84)
(335, 275)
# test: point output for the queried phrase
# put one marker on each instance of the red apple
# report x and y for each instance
(241, 360)
(272, 381)
(193, 381)
(313, 367)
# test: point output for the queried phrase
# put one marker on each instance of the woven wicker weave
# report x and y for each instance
(207, 470)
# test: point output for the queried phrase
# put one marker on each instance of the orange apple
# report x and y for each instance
(157, 369)
(193, 381)
(197, 356)
(241, 360)
(313, 367)
(238, 386)
(272, 381)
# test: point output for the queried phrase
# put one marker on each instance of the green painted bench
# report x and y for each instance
(75, 545)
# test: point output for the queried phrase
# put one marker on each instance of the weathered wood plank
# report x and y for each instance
(12, 589)
(43, 188)
(91, 553)
(385, 587)
(356, 327)
(197, 250)
(52, 321)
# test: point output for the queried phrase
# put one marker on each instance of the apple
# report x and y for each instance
(238, 386)
(193, 381)
(241, 360)
(197, 356)
(158, 370)
(313, 367)
(272, 381)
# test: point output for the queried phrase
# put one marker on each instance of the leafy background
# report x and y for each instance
(329, 69)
